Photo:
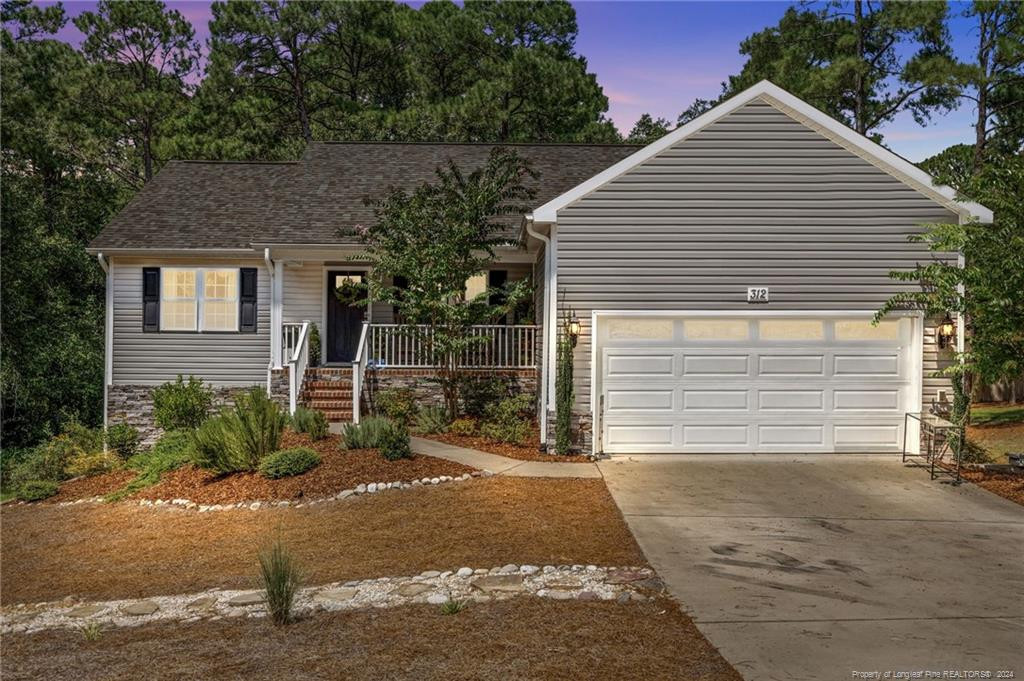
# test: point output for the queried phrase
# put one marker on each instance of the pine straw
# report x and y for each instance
(524, 638)
(107, 551)
(1007, 485)
(523, 452)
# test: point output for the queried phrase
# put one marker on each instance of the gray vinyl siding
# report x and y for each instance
(220, 359)
(756, 198)
(303, 293)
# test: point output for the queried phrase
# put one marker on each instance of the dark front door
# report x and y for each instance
(344, 319)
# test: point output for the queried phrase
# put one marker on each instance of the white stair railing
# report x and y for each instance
(358, 370)
(296, 349)
(494, 346)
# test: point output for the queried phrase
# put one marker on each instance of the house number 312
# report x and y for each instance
(757, 294)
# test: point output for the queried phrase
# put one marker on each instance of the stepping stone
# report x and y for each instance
(410, 589)
(625, 577)
(586, 596)
(496, 583)
(437, 599)
(559, 595)
(140, 608)
(247, 599)
(202, 603)
(86, 611)
(337, 595)
(652, 583)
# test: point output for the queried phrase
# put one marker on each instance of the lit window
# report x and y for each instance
(198, 299)
(178, 303)
(792, 330)
(647, 329)
(220, 300)
(476, 285)
(716, 329)
(864, 330)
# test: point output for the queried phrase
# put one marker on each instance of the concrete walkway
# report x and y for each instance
(828, 566)
(502, 465)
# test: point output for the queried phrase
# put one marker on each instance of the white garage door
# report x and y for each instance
(771, 384)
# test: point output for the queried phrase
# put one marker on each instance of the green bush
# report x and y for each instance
(123, 439)
(398, 404)
(314, 345)
(92, 463)
(82, 437)
(565, 396)
(173, 450)
(463, 427)
(287, 462)
(239, 438)
(363, 435)
(393, 442)
(478, 392)
(506, 421)
(280, 578)
(48, 461)
(311, 422)
(432, 419)
(180, 405)
(37, 490)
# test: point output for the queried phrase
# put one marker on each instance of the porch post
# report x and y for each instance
(276, 317)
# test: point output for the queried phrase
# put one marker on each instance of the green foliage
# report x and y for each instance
(565, 396)
(92, 631)
(463, 427)
(365, 434)
(507, 421)
(287, 462)
(397, 404)
(51, 459)
(647, 129)
(181, 404)
(393, 441)
(92, 463)
(454, 225)
(314, 345)
(453, 606)
(239, 438)
(280, 579)
(123, 439)
(479, 391)
(311, 422)
(432, 419)
(37, 490)
(173, 450)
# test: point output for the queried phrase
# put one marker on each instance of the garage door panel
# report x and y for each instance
(716, 365)
(634, 364)
(735, 434)
(866, 400)
(866, 435)
(789, 400)
(791, 365)
(637, 399)
(867, 365)
(791, 435)
(640, 435)
(716, 400)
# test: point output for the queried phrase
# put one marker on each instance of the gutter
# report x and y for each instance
(546, 325)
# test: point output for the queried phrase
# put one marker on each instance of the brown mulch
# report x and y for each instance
(338, 470)
(527, 452)
(106, 551)
(1007, 485)
(522, 638)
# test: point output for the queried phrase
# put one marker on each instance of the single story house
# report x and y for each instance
(724, 279)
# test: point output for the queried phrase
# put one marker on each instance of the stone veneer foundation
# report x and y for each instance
(425, 387)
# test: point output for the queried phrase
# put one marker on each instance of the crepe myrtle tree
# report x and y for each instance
(433, 239)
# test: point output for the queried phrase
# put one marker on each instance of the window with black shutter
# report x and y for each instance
(247, 300)
(150, 299)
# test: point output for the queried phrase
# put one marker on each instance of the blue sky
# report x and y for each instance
(656, 57)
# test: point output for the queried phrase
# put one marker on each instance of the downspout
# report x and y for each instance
(546, 323)
(108, 317)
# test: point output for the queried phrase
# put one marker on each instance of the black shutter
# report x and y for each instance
(497, 279)
(150, 298)
(247, 300)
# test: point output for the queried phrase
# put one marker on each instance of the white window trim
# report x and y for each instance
(200, 298)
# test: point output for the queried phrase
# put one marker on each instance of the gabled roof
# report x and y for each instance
(874, 153)
(213, 205)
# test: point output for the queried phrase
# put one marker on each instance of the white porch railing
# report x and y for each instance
(358, 369)
(498, 346)
(295, 347)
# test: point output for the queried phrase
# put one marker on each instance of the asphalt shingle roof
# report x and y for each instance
(209, 205)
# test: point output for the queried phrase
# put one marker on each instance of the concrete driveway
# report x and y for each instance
(823, 567)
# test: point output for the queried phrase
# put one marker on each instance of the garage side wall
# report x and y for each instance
(754, 199)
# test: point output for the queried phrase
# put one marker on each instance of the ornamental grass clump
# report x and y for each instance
(363, 435)
(311, 422)
(280, 579)
(241, 437)
(432, 419)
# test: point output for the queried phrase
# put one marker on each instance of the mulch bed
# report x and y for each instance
(338, 470)
(523, 638)
(1007, 485)
(107, 551)
(523, 452)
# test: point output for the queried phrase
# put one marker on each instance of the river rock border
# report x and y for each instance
(358, 490)
(564, 582)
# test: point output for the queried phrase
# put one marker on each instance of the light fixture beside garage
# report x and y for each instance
(572, 327)
(947, 332)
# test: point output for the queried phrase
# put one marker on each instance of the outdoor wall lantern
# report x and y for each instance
(947, 332)
(573, 328)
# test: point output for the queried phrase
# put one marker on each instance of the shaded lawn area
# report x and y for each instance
(107, 551)
(522, 638)
(998, 428)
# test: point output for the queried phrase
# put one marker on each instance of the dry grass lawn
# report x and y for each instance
(524, 638)
(99, 552)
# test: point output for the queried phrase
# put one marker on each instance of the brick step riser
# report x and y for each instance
(329, 405)
(327, 395)
(327, 385)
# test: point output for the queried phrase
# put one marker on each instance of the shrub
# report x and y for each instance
(314, 345)
(179, 404)
(393, 442)
(215, 445)
(82, 437)
(398, 404)
(463, 427)
(238, 439)
(286, 462)
(564, 396)
(311, 422)
(280, 579)
(363, 435)
(478, 392)
(173, 450)
(506, 421)
(92, 463)
(432, 419)
(37, 490)
(47, 461)
(123, 439)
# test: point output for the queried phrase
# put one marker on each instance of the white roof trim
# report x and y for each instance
(895, 165)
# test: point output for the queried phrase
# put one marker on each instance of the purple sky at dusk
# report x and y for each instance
(657, 57)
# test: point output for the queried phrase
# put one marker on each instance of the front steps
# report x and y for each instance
(329, 390)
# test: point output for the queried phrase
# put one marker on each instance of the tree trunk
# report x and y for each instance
(147, 157)
(985, 20)
(859, 114)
